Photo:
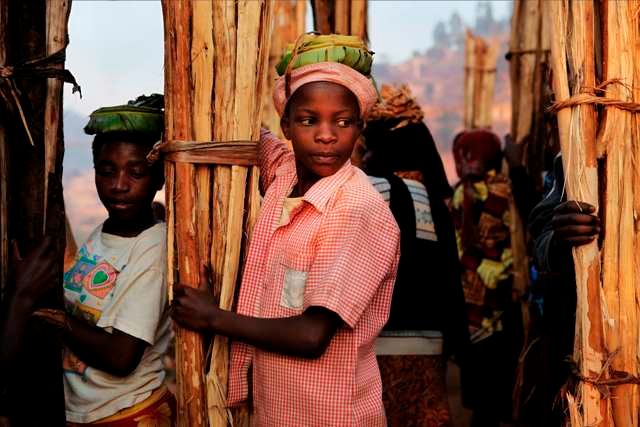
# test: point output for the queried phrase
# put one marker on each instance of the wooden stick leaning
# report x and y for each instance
(618, 270)
(572, 41)
(57, 20)
(479, 81)
(253, 18)
(183, 259)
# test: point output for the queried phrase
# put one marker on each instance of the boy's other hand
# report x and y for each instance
(575, 223)
(35, 273)
(194, 308)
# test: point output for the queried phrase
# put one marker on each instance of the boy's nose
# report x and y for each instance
(326, 134)
(121, 183)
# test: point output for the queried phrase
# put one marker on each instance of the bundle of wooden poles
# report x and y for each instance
(596, 81)
(479, 81)
(348, 17)
(216, 55)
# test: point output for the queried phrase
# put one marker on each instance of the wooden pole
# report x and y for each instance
(618, 251)
(58, 12)
(572, 50)
(26, 33)
(289, 23)
(323, 16)
(479, 81)
(186, 263)
(358, 23)
(348, 17)
(216, 55)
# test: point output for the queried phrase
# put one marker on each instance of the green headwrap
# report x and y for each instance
(313, 48)
(144, 115)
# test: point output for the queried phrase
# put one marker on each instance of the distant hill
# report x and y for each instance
(436, 77)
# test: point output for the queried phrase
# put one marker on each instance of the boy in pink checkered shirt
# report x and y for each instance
(322, 262)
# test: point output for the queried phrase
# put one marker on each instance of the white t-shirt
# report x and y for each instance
(117, 283)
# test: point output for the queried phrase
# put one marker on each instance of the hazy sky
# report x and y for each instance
(116, 46)
(116, 53)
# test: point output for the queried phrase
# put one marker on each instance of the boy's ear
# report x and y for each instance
(284, 125)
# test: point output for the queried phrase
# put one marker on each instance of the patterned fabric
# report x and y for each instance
(414, 391)
(340, 251)
(158, 410)
(485, 254)
(425, 228)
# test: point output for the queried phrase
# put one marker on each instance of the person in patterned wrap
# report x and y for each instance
(428, 322)
(480, 209)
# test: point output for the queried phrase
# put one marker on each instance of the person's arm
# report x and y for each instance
(32, 277)
(116, 353)
(306, 335)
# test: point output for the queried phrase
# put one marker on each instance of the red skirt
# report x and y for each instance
(158, 410)
(414, 391)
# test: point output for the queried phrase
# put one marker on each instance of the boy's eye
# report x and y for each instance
(343, 123)
(138, 172)
(104, 170)
(305, 121)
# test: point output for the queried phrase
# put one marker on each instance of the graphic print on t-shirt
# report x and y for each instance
(87, 283)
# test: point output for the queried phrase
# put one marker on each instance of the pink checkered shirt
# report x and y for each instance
(339, 250)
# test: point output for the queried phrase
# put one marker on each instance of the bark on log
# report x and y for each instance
(572, 60)
(216, 55)
(26, 29)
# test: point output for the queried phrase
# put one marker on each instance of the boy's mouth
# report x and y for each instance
(325, 158)
(118, 205)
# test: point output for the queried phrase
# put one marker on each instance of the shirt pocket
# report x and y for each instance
(295, 282)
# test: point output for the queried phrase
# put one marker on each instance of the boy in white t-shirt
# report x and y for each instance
(117, 327)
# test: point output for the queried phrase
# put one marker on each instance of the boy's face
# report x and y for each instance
(323, 125)
(125, 181)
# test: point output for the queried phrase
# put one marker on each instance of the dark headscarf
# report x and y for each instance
(480, 145)
(412, 148)
(409, 148)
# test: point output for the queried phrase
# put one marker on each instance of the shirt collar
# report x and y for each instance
(320, 193)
